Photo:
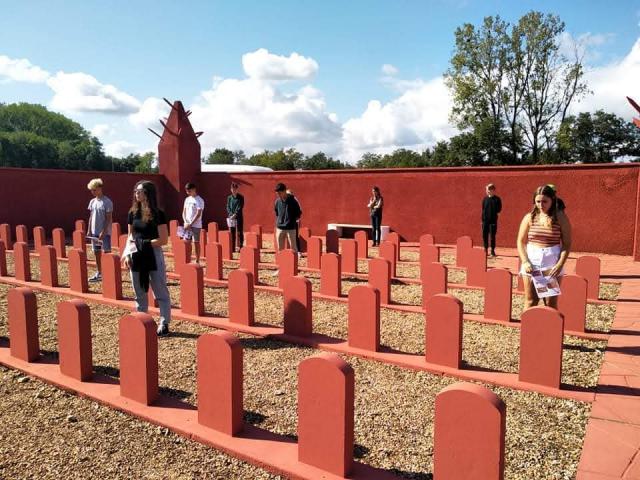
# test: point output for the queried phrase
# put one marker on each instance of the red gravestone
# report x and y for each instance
(572, 303)
(287, 262)
(331, 275)
(250, 260)
(333, 241)
(304, 234)
(251, 239)
(181, 255)
(3, 260)
(463, 246)
(314, 252)
(111, 276)
(39, 238)
(520, 284)
(257, 229)
(21, 261)
(5, 236)
(220, 382)
(74, 339)
(297, 307)
(22, 234)
(426, 239)
(394, 238)
(173, 228)
(80, 225)
(380, 278)
(241, 297)
(116, 231)
(388, 251)
(476, 267)
(138, 344)
(364, 318)
(79, 240)
(78, 281)
(203, 243)
(48, 266)
(497, 295)
(349, 254)
(212, 232)
(325, 413)
(362, 243)
(443, 332)
(469, 433)
(122, 242)
(434, 281)
(541, 346)
(192, 289)
(59, 242)
(588, 267)
(214, 261)
(428, 254)
(224, 238)
(23, 324)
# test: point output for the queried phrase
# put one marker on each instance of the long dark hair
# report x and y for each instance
(150, 211)
(377, 190)
(549, 192)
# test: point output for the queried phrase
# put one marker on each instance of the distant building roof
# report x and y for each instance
(206, 167)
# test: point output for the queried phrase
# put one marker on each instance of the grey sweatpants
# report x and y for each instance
(158, 284)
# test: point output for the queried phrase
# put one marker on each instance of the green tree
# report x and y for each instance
(276, 160)
(221, 156)
(370, 160)
(320, 161)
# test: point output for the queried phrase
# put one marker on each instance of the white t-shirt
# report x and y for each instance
(190, 209)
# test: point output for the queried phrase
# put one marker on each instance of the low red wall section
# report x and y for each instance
(602, 200)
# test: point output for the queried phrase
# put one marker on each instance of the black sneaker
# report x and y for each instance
(163, 330)
(493, 253)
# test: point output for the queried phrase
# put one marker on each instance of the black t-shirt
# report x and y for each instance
(146, 230)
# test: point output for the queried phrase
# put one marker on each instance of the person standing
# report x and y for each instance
(287, 211)
(148, 233)
(100, 218)
(375, 205)
(235, 206)
(491, 207)
(544, 243)
(192, 217)
(290, 192)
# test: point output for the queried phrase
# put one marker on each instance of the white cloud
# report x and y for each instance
(585, 45)
(416, 119)
(21, 70)
(267, 66)
(389, 69)
(121, 148)
(80, 92)
(102, 130)
(151, 111)
(611, 84)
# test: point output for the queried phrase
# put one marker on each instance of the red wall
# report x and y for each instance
(601, 199)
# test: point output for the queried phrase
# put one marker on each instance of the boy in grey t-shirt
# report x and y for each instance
(100, 218)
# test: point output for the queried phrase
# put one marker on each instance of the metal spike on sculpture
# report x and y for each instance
(636, 121)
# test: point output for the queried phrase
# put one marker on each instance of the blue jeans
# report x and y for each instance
(376, 222)
(158, 283)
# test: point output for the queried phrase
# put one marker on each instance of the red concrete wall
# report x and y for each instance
(602, 200)
(446, 202)
(56, 198)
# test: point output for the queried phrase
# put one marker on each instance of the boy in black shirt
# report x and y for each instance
(491, 207)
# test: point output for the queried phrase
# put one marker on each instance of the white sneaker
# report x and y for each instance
(96, 277)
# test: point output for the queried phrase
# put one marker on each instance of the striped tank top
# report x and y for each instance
(544, 235)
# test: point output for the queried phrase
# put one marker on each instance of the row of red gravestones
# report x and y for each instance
(572, 302)
(364, 302)
(470, 420)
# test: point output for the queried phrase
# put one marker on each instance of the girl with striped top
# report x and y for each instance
(544, 242)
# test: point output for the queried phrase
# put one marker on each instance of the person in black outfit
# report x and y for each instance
(375, 210)
(491, 207)
(287, 212)
(235, 206)
(148, 233)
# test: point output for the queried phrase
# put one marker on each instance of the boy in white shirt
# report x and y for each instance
(100, 217)
(192, 216)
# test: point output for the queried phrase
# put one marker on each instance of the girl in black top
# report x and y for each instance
(375, 209)
(148, 231)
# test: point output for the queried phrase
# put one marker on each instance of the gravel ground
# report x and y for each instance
(544, 435)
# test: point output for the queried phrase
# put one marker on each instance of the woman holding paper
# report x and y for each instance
(544, 243)
(143, 254)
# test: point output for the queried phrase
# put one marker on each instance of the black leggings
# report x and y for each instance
(489, 229)
(237, 230)
(376, 222)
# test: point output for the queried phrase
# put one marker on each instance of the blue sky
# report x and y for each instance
(106, 64)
